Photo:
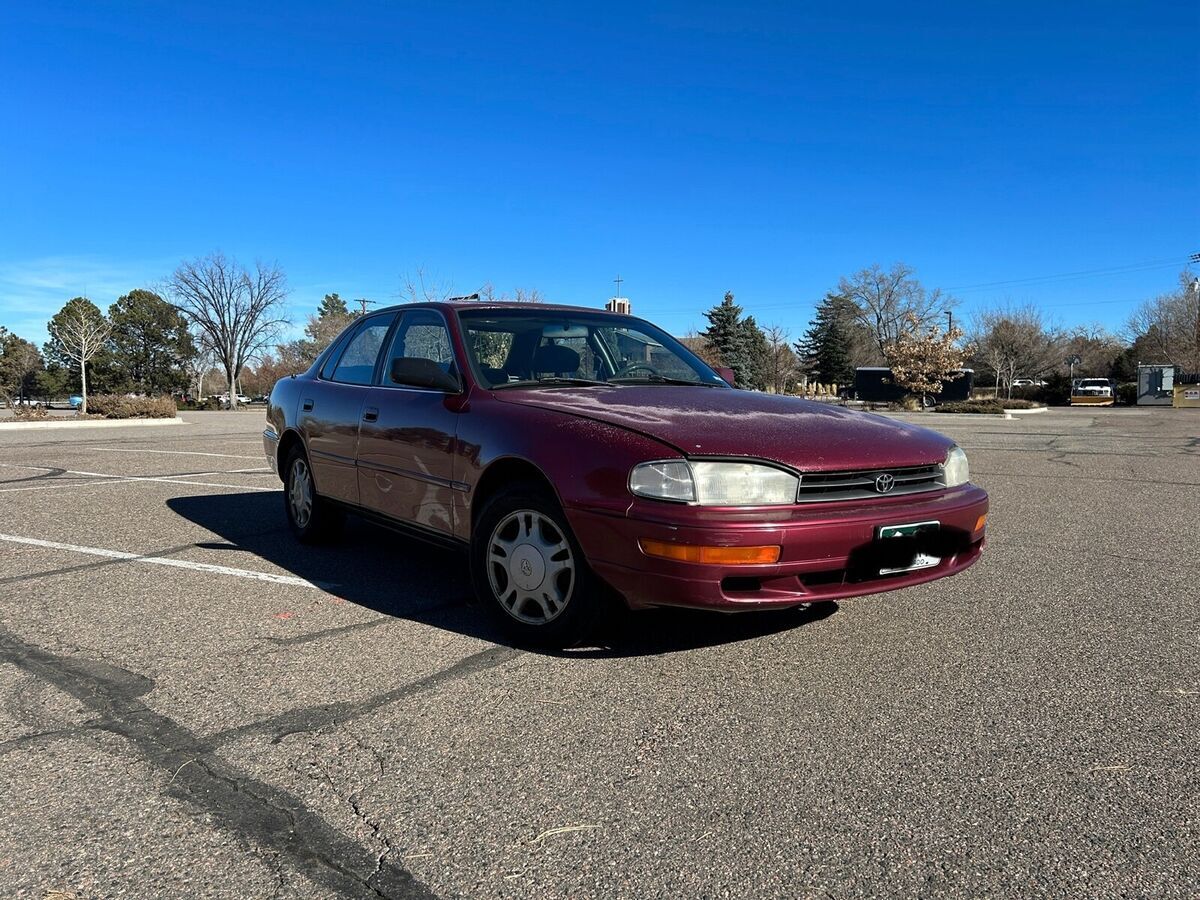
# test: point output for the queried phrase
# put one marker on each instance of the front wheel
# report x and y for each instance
(311, 518)
(530, 572)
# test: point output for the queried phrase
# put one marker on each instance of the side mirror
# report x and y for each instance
(726, 373)
(425, 373)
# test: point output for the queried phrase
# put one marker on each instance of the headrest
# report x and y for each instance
(556, 359)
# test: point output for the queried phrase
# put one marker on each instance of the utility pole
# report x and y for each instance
(618, 280)
(1194, 288)
(364, 302)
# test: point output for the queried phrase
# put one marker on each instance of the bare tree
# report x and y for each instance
(781, 364)
(488, 294)
(80, 332)
(1170, 325)
(699, 345)
(1015, 342)
(887, 301)
(237, 313)
(198, 366)
(420, 287)
(19, 363)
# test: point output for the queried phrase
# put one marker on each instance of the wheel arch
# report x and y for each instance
(287, 441)
(504, 471)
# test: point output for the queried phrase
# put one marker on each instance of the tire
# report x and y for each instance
(529, 572)
(312, 519)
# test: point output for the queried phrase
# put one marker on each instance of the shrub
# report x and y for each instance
(984, 407)
(1127, 393)
(118, 406)
(1019, 404)
(29, 412)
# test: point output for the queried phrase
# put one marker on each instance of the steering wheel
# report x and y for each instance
(635, 366)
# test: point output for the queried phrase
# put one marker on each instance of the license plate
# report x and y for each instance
(909, 530)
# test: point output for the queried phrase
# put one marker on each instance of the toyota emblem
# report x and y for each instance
(885, 482)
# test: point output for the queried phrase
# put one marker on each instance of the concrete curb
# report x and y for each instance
(1009, 413)
(85, 423)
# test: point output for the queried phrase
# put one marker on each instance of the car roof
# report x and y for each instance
(501, 304)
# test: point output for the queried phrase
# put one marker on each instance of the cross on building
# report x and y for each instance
(619, 304)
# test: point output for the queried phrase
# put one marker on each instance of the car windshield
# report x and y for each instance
(1094, 382)
(555, 348)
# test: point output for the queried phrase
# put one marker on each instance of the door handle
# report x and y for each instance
(370, 414)
(308, 405)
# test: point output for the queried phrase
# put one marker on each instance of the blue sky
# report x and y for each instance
(764, 148)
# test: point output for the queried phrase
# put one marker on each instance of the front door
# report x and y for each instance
(331, 408)
(407, 442)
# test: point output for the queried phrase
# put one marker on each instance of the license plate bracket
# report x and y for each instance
(914, 536)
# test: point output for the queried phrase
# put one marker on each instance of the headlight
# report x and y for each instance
(954, 469)
(714, 483)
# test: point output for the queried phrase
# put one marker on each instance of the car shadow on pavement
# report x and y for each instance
(396, 575)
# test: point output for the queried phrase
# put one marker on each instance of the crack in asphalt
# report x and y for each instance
(327, 632)
(261, 815)
(314, 718)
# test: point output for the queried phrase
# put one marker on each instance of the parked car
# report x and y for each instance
(76, 401)
(577, 454)
(26, 403)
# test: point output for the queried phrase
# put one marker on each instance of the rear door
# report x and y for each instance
(331, 407)
(408, 443)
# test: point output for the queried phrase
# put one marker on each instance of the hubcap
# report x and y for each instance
(300, 493)
(530, 567)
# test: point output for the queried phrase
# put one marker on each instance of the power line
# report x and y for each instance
(1084, 273)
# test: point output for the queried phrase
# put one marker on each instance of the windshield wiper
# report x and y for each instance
(660, 379)
(551, 381)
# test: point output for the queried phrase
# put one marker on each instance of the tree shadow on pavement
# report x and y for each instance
(400, 576)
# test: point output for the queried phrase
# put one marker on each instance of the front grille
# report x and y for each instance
(827, 487)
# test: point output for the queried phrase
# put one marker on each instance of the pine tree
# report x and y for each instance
(757, 354)
(825, 350)
(728, 336)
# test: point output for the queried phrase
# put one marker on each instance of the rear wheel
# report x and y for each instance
(311, 518)
(529, 571)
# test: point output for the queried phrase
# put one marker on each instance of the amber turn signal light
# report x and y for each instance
(980, 522)
(724, 556)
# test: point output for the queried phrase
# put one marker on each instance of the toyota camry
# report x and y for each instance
(577, 454)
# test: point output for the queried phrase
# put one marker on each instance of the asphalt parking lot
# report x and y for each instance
(193, 705)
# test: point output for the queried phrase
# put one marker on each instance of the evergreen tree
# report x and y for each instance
(728, 335)
(150, 343)
(825, 349)
(757, 354)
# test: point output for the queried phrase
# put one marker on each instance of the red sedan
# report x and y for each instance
(574, 451)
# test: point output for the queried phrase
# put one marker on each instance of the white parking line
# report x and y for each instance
(169, 479)
(66, 487)
(166, 561)
(173, 452)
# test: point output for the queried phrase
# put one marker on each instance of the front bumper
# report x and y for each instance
(829, 551)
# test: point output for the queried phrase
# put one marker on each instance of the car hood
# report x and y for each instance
(701, 421)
